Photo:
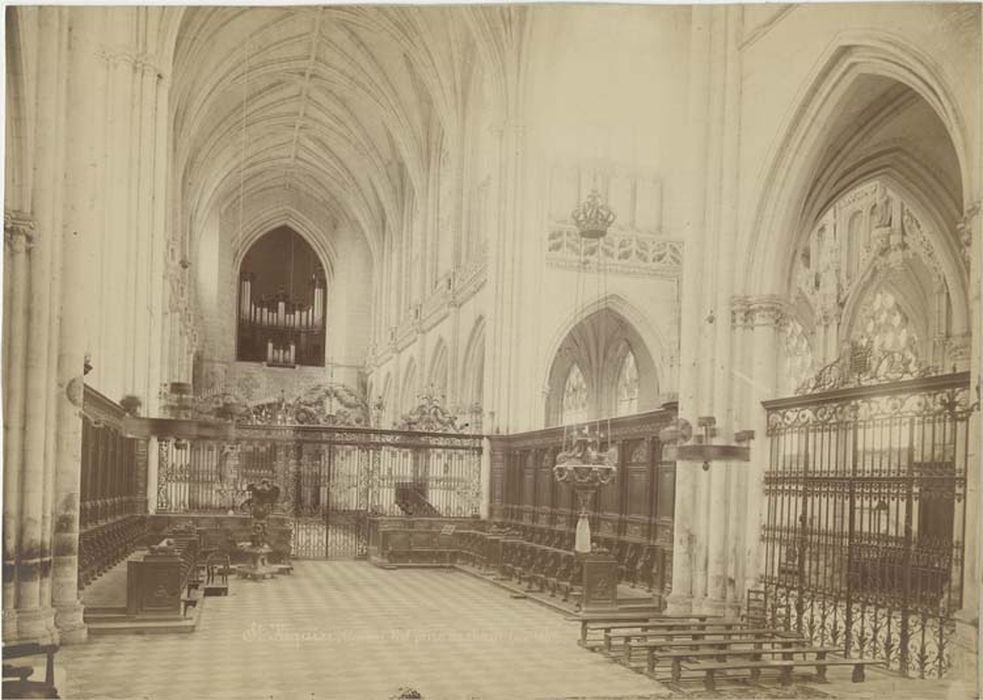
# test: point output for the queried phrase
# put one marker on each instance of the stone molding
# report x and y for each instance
(755, 311)
(623, 252)
(459, 286)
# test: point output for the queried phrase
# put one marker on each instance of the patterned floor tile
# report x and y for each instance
(349, 630)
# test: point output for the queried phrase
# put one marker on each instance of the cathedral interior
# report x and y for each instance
(492, 351)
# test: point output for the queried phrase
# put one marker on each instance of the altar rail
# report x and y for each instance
(632, 517)
(113, 501)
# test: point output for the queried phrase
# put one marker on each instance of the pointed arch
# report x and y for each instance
(626, 383)
(385, 398)
(597, 343)
(437, 376)
(304, 217)
(656, 347)
(282, 301)
(796, 155)
(472, 380)
(910, 293)
(408, 390)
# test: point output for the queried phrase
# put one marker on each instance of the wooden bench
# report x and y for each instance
(677, 656)
(692, 634)
(785, 666)
(656, 626)
(21, 687)
(720, 640)
(755, 667)
(613, 620)
(657, 648)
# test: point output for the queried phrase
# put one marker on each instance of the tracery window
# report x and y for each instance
(800, 365)
(575, 397)
(626, 402)
(886, 327)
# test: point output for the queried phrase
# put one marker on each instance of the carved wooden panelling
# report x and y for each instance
(638, 491)
(666, 491)
(631, 517)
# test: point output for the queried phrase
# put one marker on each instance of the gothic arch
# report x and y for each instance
(920, 190)
(437, 376)
(912, 298)
(596, 343)
(301, 222)
(386, 398)
(650, 338)
(471, 387)
(408, 389)
(795, 156)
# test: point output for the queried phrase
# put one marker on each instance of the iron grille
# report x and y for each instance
(331, 479)
(865, 521)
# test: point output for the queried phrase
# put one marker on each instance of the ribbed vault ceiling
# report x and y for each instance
(345, 104)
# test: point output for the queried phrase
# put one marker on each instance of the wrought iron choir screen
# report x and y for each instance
(865, 523)
(331, 478)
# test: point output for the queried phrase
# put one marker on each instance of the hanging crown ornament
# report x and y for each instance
(593, 216)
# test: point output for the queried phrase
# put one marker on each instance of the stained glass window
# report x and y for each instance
(574, 397)
(627, 397)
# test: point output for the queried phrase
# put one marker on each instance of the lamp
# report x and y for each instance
(700, 448)
(586, 468)
(582, 463)
(593, 216)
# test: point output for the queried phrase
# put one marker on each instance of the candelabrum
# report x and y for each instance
(682, 444)
(586, 468)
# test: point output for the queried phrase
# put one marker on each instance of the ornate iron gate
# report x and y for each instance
(331, 479)
(865, 492)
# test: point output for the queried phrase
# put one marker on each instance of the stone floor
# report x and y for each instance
(350, 630)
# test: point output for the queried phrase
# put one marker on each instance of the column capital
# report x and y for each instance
(19, 230)
(140, 60)
(759, 310)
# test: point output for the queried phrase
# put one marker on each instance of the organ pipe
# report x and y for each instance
(281, 329)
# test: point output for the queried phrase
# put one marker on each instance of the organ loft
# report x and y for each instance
(490, 351)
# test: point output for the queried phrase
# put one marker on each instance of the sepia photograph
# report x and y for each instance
(544, 351)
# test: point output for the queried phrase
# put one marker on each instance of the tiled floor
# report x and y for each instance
(350, 630)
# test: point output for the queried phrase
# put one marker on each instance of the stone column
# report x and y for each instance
(967, 662)
(82, 225)
(29, 340)
(504, 275)
(484, 504)
(688, 474)
(723, 514)
(452, 385)
(765, 316)
(18, 229)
